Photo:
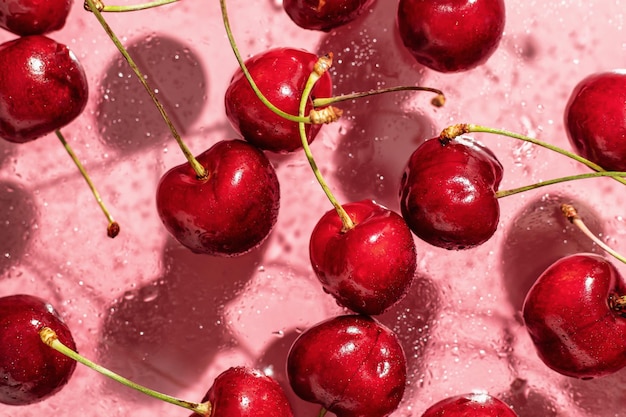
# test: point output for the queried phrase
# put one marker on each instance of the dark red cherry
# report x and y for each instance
(31, 371)
(451, 35)
(448, 193)
(573, 317)
(470, 405)
(324, 15)
(42, 88)
(280, 75)
(33, 17)
(230, 212)
(351, 365)
(369, 267)
(595, 119)
(245, 392)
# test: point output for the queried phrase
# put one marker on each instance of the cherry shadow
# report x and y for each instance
(126, 116)
(527, 401)
(538, 236)
(18, 216)
(165, 333)
(601, 397)
(7, 150)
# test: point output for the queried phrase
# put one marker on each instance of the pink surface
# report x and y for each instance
(148, 308)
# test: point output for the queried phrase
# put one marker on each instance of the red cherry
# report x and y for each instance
(230, 212)
(280, 75)
(245, 392)
(30, 371)
(595, 119)
(451, 35)
(324, 15)
(569, 315)
(369, 267)
(33, 17)
(447, 193)
(42, 88)
(470, 405)
(352, 365)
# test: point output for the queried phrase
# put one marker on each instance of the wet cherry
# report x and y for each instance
(324, 15)
(470, 405)
(30, 371)
(33, 17)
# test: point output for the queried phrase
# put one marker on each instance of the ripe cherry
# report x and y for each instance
(451, 35)
(280, 74)
(42, 88)
(369, 267)
(228, 213)
(30, 371)
(574, 316)
(324, 15)
(448, 193)
(470, 405)
(595, 120)
(352, 365)
(33, 17)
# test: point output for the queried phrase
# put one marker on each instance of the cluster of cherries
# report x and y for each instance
(225, 202)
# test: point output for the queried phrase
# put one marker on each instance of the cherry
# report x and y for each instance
(29, 370)
(573, 315)
(33, 17)
(229, 212)
(451, 35)
(470, 405)
(352, 365)
(596, 121)
(280, 74)
(448, 193)
(369, 267)
(42, 88)
(324, 15)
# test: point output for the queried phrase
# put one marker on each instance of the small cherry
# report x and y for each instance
(29, 370)
(574, 314)
(595, 119)
(451, 35)
(470, 405)
(351, 365)
(369, 267)
(34, 17)
(448, 193)
(325, 15)
(230, 211)
(42, 88)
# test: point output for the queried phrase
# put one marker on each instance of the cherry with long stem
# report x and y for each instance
(127, 8)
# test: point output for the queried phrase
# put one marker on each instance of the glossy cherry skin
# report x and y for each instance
(595, 119)
(369, 267)
(448, 193)
(280, 74)
(470, 405)
(42, 88)
(570, 320)
(230, 212)
(451, 35)
(351, 365)
(31, 371)
(33, 17)
(246, 392)
(324, 15)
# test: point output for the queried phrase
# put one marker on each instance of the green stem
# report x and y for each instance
(113, 228)
(612, 174)
(135, 7)
(438, 101)
(50, 338)
(201, 173)
(313, 78)
(246, 73)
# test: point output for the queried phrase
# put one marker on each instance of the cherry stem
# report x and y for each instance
(128, 8)
(50, 338)
(618, 303)
(321, 66)
(201, 173)
(113, 228)
(570, 212)
(459, 129)
(323, 412)
(438, 101)
(612, 174)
